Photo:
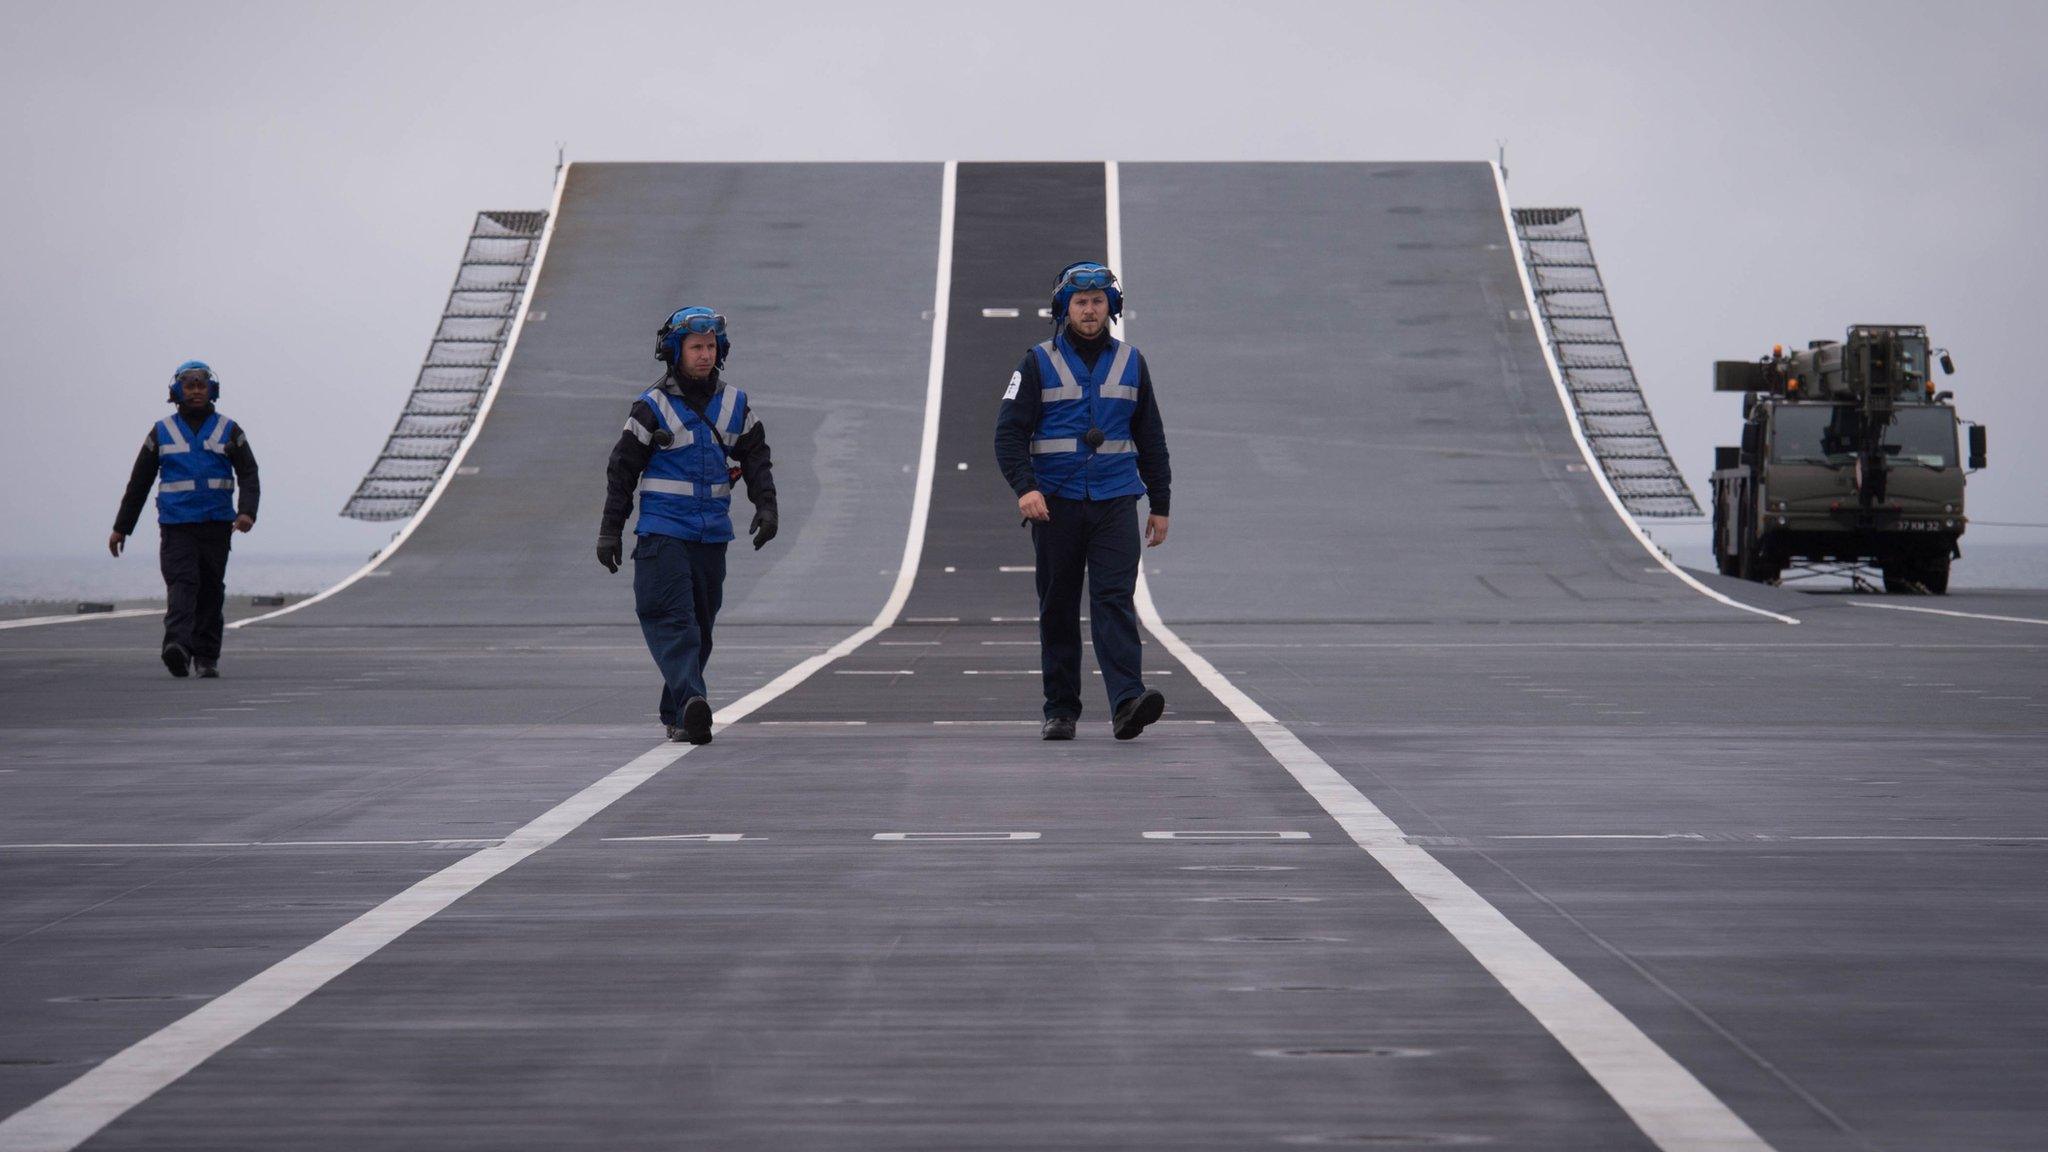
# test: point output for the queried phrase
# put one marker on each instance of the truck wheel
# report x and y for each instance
(1745, 547)
(1755, 563)
(1723, 562)
(1934, 575)
(1898, 579)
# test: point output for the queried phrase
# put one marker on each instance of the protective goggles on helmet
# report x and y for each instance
(1088, 278)
(698, 322)
(200, 372)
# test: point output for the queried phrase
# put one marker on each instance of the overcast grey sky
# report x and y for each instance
(285, 192)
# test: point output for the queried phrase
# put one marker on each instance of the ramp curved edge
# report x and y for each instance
(1571, 416)
(476, 426)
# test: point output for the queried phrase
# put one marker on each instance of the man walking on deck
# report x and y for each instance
(1079, 439)
(202, 458)
(687, 439)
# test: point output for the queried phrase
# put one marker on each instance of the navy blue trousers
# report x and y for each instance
(677, 588)
(1098, 540)
(194, 559)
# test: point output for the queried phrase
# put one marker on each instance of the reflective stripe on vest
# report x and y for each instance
(1079, 408)
(726, 409)
(195, 481)
(685, 490)
(1070, 388)
(682, 435)
(174, 430)
(681, 487)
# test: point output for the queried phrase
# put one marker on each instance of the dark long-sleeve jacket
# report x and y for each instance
(631, 453)
(1018, 420)
(248, 489)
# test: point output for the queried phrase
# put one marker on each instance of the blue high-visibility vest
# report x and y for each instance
(1075, 400)
(195, 479)
(686, 491)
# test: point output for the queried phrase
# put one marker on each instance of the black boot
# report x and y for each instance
(205, 669)
(1057, 728)
(1137, 713)
(177, 659)
(696, 718)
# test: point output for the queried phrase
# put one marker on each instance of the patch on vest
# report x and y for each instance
(1016, 382)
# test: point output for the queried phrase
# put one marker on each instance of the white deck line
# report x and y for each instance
(1948, 612)
(73, 618)
(1571, 415)
(476, 426)
(1666, 1101)
(71, 1115)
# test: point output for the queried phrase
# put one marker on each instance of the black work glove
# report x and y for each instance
(763, 527)
(609, 553)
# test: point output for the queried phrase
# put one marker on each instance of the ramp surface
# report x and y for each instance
(878, 912)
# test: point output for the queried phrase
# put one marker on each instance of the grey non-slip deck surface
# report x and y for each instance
(1804, 859)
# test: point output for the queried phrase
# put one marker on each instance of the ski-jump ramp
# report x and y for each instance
(1470, 824)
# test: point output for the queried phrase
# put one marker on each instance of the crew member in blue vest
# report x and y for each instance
(1079, 439)
(206, 491)
(687, 440)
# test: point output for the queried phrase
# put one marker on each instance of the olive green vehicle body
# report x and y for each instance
(1848, 456)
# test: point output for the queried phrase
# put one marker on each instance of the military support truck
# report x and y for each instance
(1848, 458)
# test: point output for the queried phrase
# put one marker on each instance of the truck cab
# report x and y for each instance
(1849, 458)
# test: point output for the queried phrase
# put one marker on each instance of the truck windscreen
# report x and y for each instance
(1924, 436)
(1797, 431)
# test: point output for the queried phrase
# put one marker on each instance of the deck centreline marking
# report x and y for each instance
(71, 1115)
(1665, 1100)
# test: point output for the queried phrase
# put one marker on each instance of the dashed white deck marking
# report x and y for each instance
(1211, 834)
(699, 837)
(956, 837)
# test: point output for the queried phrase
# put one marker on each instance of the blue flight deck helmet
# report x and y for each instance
(1084, 276)
(668, 343)
(212, 381)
